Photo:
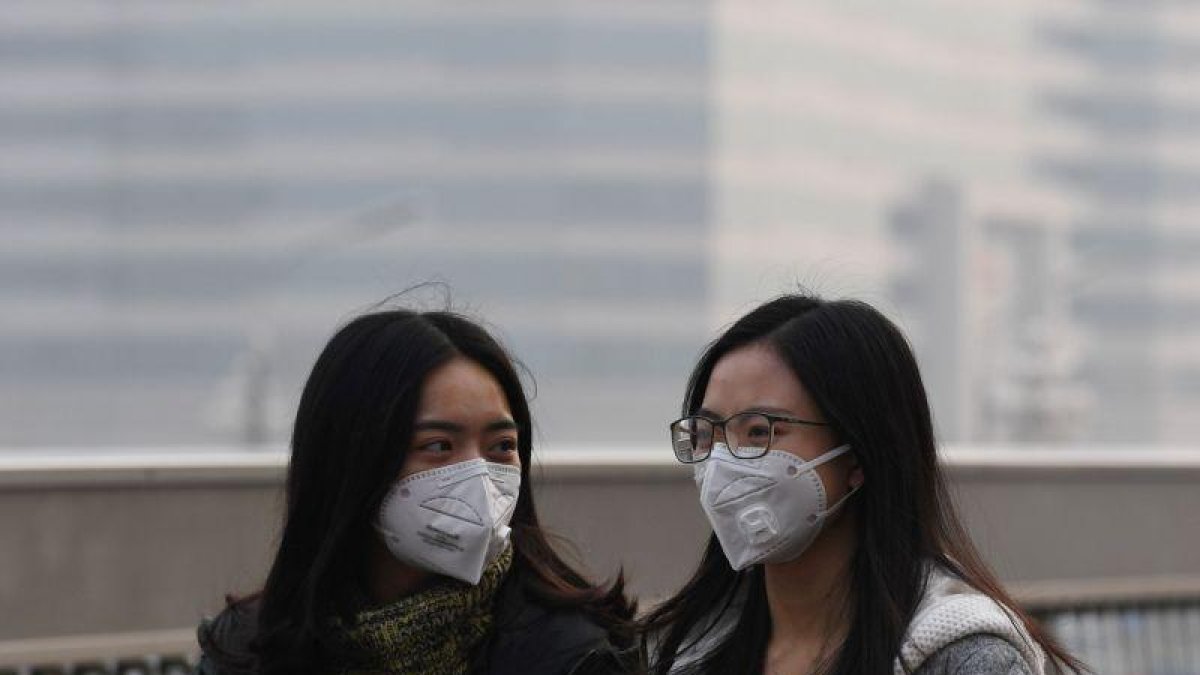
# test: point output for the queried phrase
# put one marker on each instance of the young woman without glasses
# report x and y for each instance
(411, 543)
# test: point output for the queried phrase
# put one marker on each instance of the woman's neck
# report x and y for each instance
(808, 598)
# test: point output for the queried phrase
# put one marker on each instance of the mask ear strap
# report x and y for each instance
(829, 456)
(838, 505)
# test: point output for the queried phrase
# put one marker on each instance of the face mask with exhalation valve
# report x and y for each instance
(768, 509)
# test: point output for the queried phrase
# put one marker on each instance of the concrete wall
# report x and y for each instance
(146, 542)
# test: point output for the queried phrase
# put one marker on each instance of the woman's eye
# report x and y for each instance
(760, 432)
(505, 446)
(439, 446)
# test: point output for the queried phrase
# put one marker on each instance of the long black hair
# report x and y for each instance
(861, 373)
(353, 426)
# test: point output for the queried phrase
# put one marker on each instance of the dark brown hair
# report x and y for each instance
(352, 428)
(860, 371)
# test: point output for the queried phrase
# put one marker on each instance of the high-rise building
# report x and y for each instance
(1018, 176)
(1133, 175)
(193, 194)
(859, 145)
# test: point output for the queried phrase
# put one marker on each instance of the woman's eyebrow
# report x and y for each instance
(455, 427)
(768, 409)
(501, 425)
(439, 425)
(771, 410)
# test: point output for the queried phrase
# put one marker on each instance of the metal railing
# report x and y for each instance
(146, 665)
(1113, 632)
(171, 652)
(1132, 638)
(1122, 626)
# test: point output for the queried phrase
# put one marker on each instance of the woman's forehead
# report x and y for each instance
(755, 376)
(462, 387)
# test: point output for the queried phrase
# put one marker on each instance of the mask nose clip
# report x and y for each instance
(759, 525)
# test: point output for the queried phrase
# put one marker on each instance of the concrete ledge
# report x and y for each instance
(62, 467)
(59, 468)
(1039, 596)
(1059, 463)
(108, 543)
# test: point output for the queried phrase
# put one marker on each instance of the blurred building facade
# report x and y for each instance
(1013, 181)
(1134, 179)
(192, 195)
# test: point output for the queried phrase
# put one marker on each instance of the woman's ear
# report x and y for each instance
(857, 477)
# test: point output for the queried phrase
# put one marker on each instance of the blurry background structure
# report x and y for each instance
(194, 194)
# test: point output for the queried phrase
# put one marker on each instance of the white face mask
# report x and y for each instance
(764, 510)
(452, 520)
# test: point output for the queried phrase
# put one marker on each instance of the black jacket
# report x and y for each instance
(530, 638)
(527, 638)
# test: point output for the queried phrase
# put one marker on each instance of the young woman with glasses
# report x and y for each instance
(835, 547)
(410, 542)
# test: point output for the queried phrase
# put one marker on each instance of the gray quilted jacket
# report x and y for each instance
(976, 655)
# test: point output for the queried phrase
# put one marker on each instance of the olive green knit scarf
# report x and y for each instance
(434, 632)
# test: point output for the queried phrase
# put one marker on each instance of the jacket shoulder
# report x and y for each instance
(950, 611)
(533, 638)
(225, 640)
(976, 655)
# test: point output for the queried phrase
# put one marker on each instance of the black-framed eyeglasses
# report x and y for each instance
(748, 434)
